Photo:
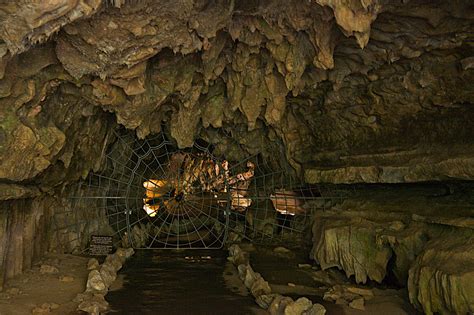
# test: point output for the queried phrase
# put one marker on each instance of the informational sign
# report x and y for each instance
(100, 245)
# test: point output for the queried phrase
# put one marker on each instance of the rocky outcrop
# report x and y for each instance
(30, 227)
(288, 72)
(275, 304)
(373, 237)
(351, 246)
(441, 279)
(100, 278)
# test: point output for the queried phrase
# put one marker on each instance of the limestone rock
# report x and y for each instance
(124, 253)
(237, 256)
(260, 287)
(95, 283)
(441, 280)
(265, 300)
(298, 307)
(95, 305)
(279, 304)
(108, 273)
(92, 264)
(358, 304)
(351, 246)
(316, 309)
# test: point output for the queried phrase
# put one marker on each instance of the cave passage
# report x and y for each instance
(320, 152)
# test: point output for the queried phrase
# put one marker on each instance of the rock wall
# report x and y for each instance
(350, 91)
(31, 227)
(419, 237)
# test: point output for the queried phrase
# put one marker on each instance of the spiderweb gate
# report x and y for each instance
(156, 196)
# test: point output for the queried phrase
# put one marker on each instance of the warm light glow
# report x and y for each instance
(287, 202)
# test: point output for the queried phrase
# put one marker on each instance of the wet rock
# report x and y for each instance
(80, 297)
(278, 305)
(92, 264)
(108, 273)
(114, 260)
(316, 309)
(247, 275)
(352, 246)
(237, 256)
(95, 283)
(48, 269)
(264, 300)
(441, 278)
(124, 253)
(94, 305)
(260, 287)
(340, 295)
(357, 304)
(298, 307)
(366, 293)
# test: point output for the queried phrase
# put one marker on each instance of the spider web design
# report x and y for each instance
(214, 205)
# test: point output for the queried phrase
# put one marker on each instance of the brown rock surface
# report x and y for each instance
(288, 71)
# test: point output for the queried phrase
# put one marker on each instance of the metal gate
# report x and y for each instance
(157, 196)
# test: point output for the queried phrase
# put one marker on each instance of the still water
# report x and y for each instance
(179, 282)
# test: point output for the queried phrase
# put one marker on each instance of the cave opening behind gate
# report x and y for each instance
(155, 195)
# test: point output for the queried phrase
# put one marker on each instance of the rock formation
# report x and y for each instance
(335, 92)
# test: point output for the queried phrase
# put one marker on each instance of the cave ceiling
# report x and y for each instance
(353, 90)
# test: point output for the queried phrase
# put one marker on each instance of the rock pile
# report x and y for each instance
(355, 297)
(92, 300)
(434, 261)
(275, 303)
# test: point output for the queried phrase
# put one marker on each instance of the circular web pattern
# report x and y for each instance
(156, 196)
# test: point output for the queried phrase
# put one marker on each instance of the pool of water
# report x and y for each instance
(178, 282)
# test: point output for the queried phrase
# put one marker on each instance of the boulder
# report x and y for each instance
(278, 305)
(441, 280)
(94, 305)
(92, 264)
(316, 309)
(264, 300)
(298, 307)
(358, 304)
(108, 273)
(95, 283)
(351, 245)
(260, 287)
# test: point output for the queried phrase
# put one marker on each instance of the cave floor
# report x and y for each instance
(203, 282)
(187, 282)
(293, 274)
(54, 287)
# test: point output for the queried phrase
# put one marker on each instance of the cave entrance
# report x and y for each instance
(156, 196)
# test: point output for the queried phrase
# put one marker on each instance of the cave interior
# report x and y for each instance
(328, 144)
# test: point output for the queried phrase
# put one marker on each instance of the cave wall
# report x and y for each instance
(30, 227)
(350, 91)
(415, 236)
(355, 91)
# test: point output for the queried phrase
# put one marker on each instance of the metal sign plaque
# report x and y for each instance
(100, 245)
